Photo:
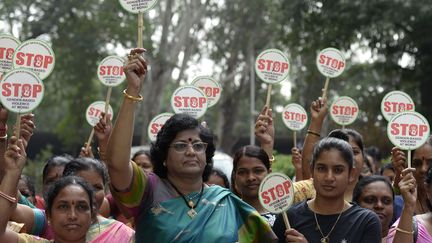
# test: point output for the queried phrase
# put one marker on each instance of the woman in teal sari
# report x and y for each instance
(173, 203)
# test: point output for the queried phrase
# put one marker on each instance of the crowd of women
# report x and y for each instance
(173, 194)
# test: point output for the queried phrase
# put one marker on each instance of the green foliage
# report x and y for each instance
(34, 168)
(283, 165)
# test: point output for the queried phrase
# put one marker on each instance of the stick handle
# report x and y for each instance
(295, 139)
(107, 100)
(286, 221)
(343, 127)
(18, 126)
(89, 140)
(409, 158)
(140, 29)
(268, 95)
(326, 84)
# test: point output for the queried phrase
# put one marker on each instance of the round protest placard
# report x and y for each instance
(35, 55)
(137, 6)
(344, 110)
(210, 87)
(272, 66)
(156, 124)
(110, 71)
(276, 192)
(330, 62)
(294, 116)
(190, 100)
(408, 130)
(396, 102)
(8, 44)
(94, 112)
(21, 90)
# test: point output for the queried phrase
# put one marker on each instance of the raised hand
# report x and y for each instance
(408, 188)
(319, 109)
(264, 128)
(135, 70)
(15, 155)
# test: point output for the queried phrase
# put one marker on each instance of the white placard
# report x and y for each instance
(156, 124)
(137, 6)
(190, 100)
(272, 66)
(8, 44)
(110, 71)
(395, 102)
(344, 110)
(330, 62)
(94, 112)
(294, 117)
(276, 193)
(21, 90)
(408, 130)
(35, 55)
(211, 88)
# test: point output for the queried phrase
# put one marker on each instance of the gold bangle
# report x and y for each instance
(4, 137)
(7, 197)
(404, 231)
(314, 133)
(133, 98)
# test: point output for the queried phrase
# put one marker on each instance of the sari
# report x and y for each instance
(162, 215)
(110, 230)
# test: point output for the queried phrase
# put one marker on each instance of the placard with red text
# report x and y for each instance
(190, 100)
(272, 66)
(94, 112)
(395, 102)
(344, 110)
(408, 130)
(330, 62)
(110, 71)
(210, 87)
(35, 55)
(137, 6)
(294, 117)
(8, 44)
(276, 192)
(156, 124)
(21, 90)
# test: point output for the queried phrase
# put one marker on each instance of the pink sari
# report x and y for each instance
(110, 230)
(423, 235)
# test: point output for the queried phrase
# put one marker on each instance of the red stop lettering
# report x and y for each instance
(331, 62)
(32, 60)
(154, 128)
(21, 90)
(397, 107)
(344, 110)
(408, 129)
(275, 192)
(273, 66)
(94, 112)
(6, 53)
(193, 102)
(210, 92)
(111, 70)
(294, 116)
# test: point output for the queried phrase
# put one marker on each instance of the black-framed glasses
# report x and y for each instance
(181, 147)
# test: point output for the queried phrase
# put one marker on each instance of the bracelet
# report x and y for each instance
(314, 133)
(404, 231)
(272, 159)
(4, 137)
(133, 98)
(7, 197)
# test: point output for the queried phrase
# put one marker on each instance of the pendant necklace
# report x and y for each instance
(191, 205)
(326, 239)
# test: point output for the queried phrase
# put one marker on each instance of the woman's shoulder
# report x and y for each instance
(27, 238)
(358, 213)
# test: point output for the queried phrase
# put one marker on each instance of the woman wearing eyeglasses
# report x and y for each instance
(173, 204)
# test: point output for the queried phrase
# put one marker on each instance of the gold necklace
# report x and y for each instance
(326, 239)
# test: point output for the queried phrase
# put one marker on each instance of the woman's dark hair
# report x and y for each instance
(30, 185)
(329, 143)
(57, 160)
(429, 185)
(362, 183)
(141, 152)
(388, 166)
(56, 187)
(222, 175)
(249, 151)
(178, 123)
(428, 141)
(345, 135)
(85, 164)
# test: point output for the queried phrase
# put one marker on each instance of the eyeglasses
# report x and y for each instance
(181, 147)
